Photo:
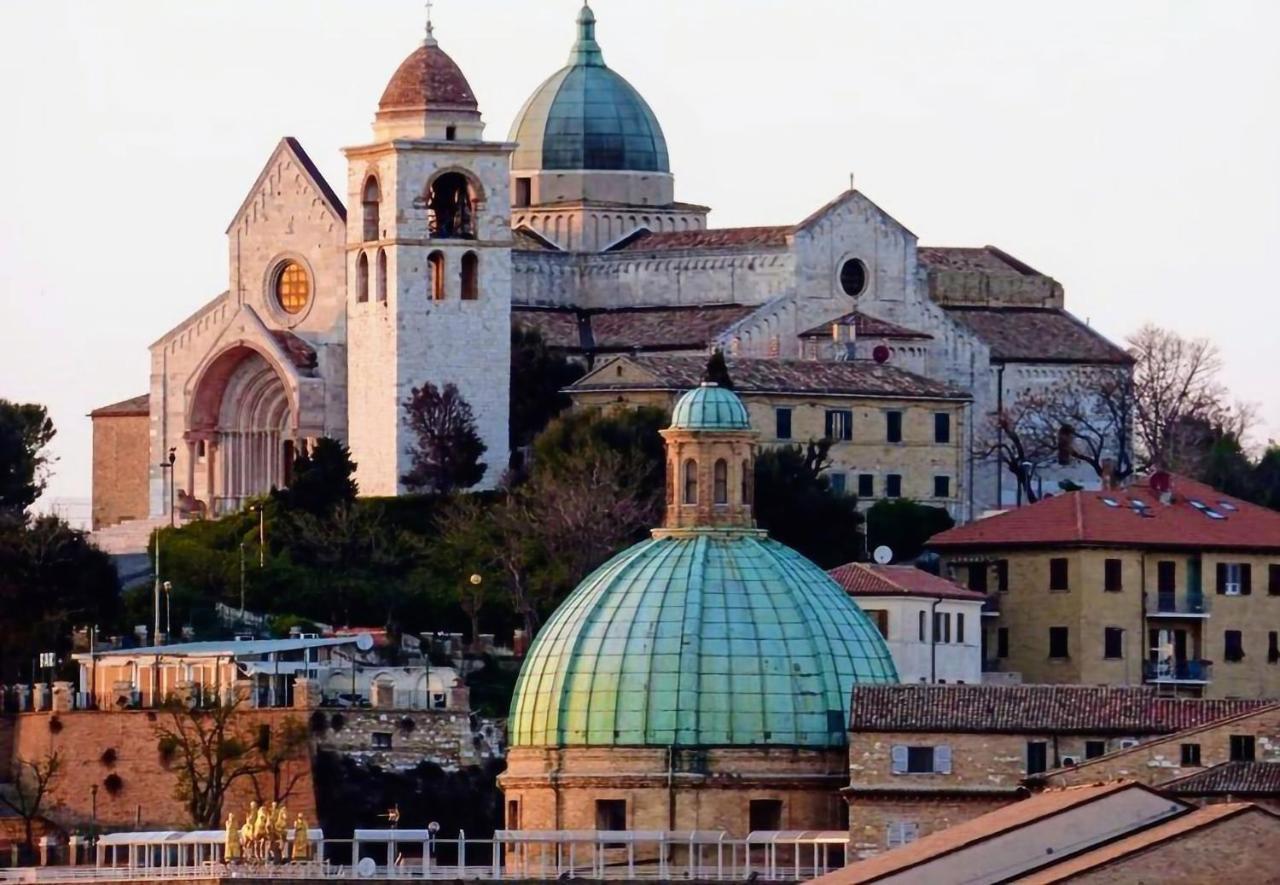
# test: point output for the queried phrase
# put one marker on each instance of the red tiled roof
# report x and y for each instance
(1165, 831)
(300, 353)
(975, 831)
(983, 259)
(1039, 709)
(860, 378)
(722, 238)
(138, 405)
(428, 77)
(864, 326)
(630, 329)
(1237, 778)
(1085, 518)
(1037, 335)
(559, 327)
(865, 579)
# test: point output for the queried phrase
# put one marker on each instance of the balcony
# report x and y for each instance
(991, 606)
(1173, 671)
(1172, 606)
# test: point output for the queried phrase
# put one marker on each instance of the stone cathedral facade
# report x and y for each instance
(336, 309)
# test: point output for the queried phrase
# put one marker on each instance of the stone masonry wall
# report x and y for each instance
(121, 447)
(401, 739)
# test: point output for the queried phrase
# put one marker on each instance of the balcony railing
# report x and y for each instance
(1177, 671)
(1172, 605)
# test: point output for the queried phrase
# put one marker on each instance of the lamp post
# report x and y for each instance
(93, 819)
(168, 465)
(168, 611)
(262, 532)
(242, 583)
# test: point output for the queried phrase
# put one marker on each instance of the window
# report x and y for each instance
(1166, 576)
(782, 418)
(611, 815)
(839, 424)
(960, 627)
(439, 701)
(513, 814)
(921, 760)
(838, 482)
(1094, 749)
(1113, 575)
(853, 277)
(293, 288)
(1002, 642)
(1242, 748)
(1037, 757)
(720, 482)
(1113, 642)
(764, 816)
(451, 133)
(879, 617)
(1273, 647)
(866, 485)
(470, 276)
(435, 262)
(1235, 578)
(1058, 574)
(1191, 755)
(978, 577)
(1058, 642)
(362, 278)
(893, 486)
(691, 482)
(381, 740)
(382, 275)
(941, 627)
(893, 427)
(924, 630)
(449, 208)
(901, 832)
(524, 191)
(942, 487)
(1002, 575)
(1273, 579)
(941, 427)
(370, 201)
(1233, 645)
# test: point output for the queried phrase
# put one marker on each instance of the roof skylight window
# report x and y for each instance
(1227, 506)
(1199, 505)
(1111, 502)
(1213, 514)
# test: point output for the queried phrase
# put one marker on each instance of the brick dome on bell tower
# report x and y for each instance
(428, 97)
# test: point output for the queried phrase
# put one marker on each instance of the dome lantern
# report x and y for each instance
(710, 460)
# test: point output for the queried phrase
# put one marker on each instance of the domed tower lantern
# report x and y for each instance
(710, 461)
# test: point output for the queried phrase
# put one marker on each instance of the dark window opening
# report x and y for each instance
(1166, 576)
(513, 814)
(1273, 579)
(1113, 642)
(960, 627)
(451, 133)
(1114, 574)
(1058, 646)
(1242, 749)
(764, 815)
(1233, 645)
(470, 277)
(782, 418)
(381, 288)
(1191, 755)
(853, 277)
(1273, 647)
(1058, 574)
(362, 277)
(978, 577)
(1037, 757)
(924, 630)
(524, 192)
(893, 486)
(866, 485)
(919, 760)
(1094, 749)
(1002, 575)
(838, 482)
(1002, 642)
(381, 740)
(880, 617)
(893, 427)
(450, 212)
(690, 482)
(720, 482)
(371, 203)
(611, 815)
(942, 487)
(941, 427)
(839, 425)
(435, 264)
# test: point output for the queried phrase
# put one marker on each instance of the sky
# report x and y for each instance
(1130, 150)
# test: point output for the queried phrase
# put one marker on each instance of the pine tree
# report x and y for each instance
(717, 371)
(447, 447)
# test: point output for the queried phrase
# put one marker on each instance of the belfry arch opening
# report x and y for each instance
(371, 201)
(451, 200)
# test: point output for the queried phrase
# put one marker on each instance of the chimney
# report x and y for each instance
(1108, 474)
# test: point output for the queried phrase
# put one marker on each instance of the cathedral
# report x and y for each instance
(335, 309)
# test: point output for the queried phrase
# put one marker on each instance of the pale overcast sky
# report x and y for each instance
(1131, 150)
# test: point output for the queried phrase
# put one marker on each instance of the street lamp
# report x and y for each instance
(168, 465)
(168, 611)
(93, 818)
(262, 532)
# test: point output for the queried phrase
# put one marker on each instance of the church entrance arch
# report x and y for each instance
(245, 420)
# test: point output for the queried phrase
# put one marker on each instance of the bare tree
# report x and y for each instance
(447, 447)
(281, 752)
(1022, 437)
(1090, 418)
(29, 791)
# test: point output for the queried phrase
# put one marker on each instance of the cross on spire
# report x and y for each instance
(431, 34)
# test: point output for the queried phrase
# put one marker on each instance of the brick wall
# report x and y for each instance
(121, 446)
(870, 817)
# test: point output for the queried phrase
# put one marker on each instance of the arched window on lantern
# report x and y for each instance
(691, 481)
(381, 288)
(720, 475)
(362, 277)
(435, 266)
(371, 200)
(470, 276)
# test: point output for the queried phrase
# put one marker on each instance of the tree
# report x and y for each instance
(447, 448)
(323, 478)
(280, 752)
(1023, 438)
(794, 501)
(29, 790)
(904, 526)
(25, 431)
(717, 371)
(539, 376)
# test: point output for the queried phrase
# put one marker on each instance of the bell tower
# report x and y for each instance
(428, 267)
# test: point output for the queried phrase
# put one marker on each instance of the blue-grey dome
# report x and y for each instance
(587, 117)
(710, 407)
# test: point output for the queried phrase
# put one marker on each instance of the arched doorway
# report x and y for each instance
(243, 419)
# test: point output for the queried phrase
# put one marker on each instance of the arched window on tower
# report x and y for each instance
(362, 277)
(382, 275)
(691, 481)
(721, 477)
(371, 199)
(435, 267)
(470, 277)
(450, 208)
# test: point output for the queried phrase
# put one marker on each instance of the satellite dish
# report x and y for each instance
(364, 642)
(880, 354)
(1160, 482)
(883, 555)
(366, 868)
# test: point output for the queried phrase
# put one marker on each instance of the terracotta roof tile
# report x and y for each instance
(860, 378)
(1040, 709)
(1237, 778)
(982, 259)
(630, 329)
(865, 579)
(722, 238)
(558, 327)
(864, 326)
(428, 77)
(1085, 518)
(138, 405)
(1037, 335)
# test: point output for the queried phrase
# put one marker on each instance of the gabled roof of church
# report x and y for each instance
(138, 405)
(714, 238)
(864, 325)
(300, 156)
(983, 259)
(1037, 335)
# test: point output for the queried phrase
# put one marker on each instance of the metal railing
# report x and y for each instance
(1177, 671)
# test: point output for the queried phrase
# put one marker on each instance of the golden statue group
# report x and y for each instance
(264, 837)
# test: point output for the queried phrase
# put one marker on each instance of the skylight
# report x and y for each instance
(1199, 505)
(1111, 502)
(1137, 504)
(1213, 514)
(1227, 506)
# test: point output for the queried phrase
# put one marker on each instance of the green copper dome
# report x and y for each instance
(585, 116)
(710, 407)
(697, 639)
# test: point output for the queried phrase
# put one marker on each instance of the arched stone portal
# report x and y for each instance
(244, 419)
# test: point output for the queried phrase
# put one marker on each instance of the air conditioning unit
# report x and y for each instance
(1127, 743)
(1070, 761)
